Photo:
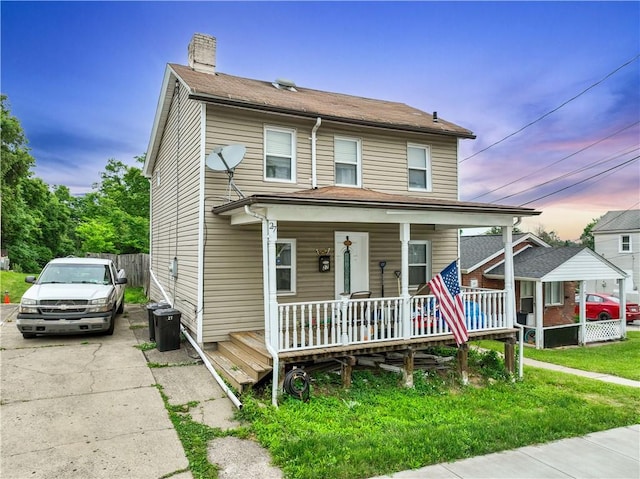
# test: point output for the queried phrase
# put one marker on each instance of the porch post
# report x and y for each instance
(582, 313)
(509, 281)
(539, 301)
(623, 307)
(405, 315)
(271, 327)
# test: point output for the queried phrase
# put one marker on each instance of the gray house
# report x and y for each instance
(617, 238)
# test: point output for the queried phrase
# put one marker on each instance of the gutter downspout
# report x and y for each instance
(266, 300)
(236, 402)
(314, 178)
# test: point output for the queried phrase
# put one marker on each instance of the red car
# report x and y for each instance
(605, 306)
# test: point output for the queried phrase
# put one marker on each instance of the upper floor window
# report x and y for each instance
(286, 266)
(554, 293)
(625, 244)
(419, 164)
(419, 262)
(347, 154)
(279, 154)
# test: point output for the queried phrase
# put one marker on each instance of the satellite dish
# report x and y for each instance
(225, 158)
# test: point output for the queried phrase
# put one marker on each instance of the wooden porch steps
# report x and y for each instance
(243, 360)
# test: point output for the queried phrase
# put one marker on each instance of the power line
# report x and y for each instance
(570, 173)
(621, 165)
(556, 162)
(552, 111)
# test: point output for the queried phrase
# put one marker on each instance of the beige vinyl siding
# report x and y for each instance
(175, 208)
(384, 156)
(226, 127)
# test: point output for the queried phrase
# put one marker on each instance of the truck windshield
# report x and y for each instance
(75, 273)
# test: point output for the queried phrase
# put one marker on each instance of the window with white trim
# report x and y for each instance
(419, 166)
(279, 154)
(625, 244)
(286, 266)
(554, 293)
(419, 262)
(348, 158)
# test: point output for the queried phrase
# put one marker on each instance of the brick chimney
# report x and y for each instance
(202, 53)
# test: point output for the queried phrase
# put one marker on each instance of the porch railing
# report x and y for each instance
(322, 324)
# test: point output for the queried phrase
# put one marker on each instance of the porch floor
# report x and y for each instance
(244, 360)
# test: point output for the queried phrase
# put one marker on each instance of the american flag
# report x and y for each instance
(446, 288)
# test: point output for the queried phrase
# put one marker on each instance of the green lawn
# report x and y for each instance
(619, 358)
(378, 428)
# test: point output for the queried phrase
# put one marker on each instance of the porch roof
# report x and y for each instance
(333, 203)
(566, 263)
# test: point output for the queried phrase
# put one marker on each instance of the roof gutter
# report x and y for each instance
(251, 200)
(337, 119)
(314, 176)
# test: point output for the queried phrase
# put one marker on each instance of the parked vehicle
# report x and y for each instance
(604, 306)
(71, 296)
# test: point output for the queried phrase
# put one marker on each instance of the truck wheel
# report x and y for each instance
(121, 308)
(109, 331)
(28, 335)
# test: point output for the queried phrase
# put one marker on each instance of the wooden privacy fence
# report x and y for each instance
(136, 267)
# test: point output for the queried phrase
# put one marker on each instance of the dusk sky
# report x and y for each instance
(84, 80)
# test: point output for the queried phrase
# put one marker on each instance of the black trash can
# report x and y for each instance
(167, 327)
(151, 307)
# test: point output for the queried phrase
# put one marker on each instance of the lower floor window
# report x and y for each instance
(286, 266)
(553, 293)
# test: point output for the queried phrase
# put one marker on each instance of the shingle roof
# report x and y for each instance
(538, 262)
(229, 89)
(475, 249)
(364, 197)
(627, 220)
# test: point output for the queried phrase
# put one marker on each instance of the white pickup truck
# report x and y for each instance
(72, 296)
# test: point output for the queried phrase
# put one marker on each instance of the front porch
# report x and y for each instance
(346, 329)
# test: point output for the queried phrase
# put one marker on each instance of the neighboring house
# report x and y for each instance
(616, 237)
(547, 279)
(263, 259)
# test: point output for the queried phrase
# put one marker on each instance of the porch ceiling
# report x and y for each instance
(359, 205)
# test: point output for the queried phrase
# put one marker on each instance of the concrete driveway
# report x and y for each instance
(82, 406)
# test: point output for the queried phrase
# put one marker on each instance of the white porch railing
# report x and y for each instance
(325, 324)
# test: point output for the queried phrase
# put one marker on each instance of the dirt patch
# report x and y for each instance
(241, 459)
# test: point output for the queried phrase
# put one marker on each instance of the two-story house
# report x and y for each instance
(327, 195)
(616, 237)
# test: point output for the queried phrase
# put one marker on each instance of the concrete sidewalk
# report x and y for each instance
(612, 454)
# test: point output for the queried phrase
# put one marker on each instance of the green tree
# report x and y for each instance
(586, 238)
(497, 230)
(551, 237)
(119, 209)
(35, 221)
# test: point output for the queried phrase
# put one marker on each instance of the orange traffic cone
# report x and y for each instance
(6, 297)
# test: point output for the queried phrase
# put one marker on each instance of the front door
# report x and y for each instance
(359, 261)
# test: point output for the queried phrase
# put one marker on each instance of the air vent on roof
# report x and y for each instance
(284, 84)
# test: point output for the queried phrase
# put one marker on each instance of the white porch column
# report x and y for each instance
(271, 325)
(509, 281)
(623, 307)
(582, 313)
(539, 301)
(405, 236)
